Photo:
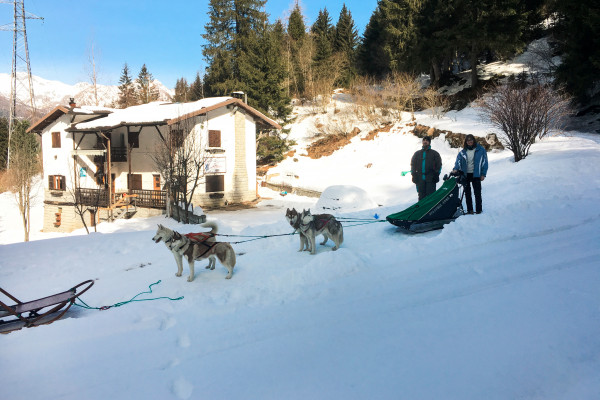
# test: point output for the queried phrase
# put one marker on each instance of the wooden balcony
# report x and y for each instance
(139, 198)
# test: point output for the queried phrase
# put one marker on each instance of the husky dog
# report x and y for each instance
(293, 218)
(321, 224)
(183, 246)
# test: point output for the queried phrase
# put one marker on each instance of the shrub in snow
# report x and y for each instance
(524, 114)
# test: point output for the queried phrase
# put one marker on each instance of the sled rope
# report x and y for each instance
(354, 221)
(254, 237)
(361, 223)
(133, 299)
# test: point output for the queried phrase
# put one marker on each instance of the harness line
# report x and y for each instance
(133, 299)
(362, 221)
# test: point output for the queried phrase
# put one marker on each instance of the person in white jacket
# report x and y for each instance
(473, 162)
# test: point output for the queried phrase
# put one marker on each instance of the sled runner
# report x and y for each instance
(434, 211)
(38, 312)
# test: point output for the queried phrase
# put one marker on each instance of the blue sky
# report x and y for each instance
(165, 35)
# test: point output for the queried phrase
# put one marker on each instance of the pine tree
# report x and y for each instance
(182, 91)
(146, 91)
(196, 91)
(3, 142)
(346, 34)
(578, 30)
(372, 59)
(488, 25)
(230, 34)
(437, 39)
(265, 74)
(127, 95)
(323, 34)
(296, 37)
(345, 43)
(400, 18)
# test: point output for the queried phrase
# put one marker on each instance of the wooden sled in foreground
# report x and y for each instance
(38, 312)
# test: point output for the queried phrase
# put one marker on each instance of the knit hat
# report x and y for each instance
(428, 138)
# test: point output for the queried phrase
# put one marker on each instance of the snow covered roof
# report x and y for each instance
(162, 113)
(92, 110)
(59, 111)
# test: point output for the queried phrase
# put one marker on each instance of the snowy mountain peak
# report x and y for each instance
(49, 94)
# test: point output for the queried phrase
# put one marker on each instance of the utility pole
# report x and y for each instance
(21, 83)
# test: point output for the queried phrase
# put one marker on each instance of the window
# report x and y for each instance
(214, 138)
(56, 140)
(56, 182)
(134, 181)
(134, 139)
(215, 183)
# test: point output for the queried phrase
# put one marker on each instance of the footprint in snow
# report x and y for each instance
(184, 341)
(182, 388)
(167, 323)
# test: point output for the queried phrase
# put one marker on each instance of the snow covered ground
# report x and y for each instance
(502, 305)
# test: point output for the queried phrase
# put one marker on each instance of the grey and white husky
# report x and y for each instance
(293, 218)
(320, 224)
(183, 246)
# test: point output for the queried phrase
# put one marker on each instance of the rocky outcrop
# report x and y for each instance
(456, 140)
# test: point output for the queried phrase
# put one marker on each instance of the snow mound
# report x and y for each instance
(345, 198)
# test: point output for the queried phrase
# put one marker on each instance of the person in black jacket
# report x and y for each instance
(425, 167)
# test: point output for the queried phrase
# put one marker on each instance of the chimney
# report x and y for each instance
(240, 95)
(72, 102)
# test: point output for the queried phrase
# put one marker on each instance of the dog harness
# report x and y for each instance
(321, 220)
(200, 236)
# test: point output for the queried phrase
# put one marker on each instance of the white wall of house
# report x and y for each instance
(251, 153)
(57, 161)
(60, 161)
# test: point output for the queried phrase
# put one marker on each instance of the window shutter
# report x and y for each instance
(215, 183)
(55, 140)
(134, 181)
(214, 138)
(62, 182)
(50, 182)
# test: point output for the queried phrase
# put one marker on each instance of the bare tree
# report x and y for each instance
(25, 164)
(406, 90)
(180, 160)
(368, 99)
(92, 71)
(525, 113)
(305, 64)
(84, 200)
(435, 102)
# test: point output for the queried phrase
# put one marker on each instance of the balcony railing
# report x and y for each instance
(92, 197)
(143, 198)
(118, 154)
(150, 198)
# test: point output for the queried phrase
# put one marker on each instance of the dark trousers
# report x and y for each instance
(476, 182)
(425, 189)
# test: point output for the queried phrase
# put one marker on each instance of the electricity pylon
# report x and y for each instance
(21, 83)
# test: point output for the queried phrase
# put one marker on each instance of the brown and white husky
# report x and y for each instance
(183, 246)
